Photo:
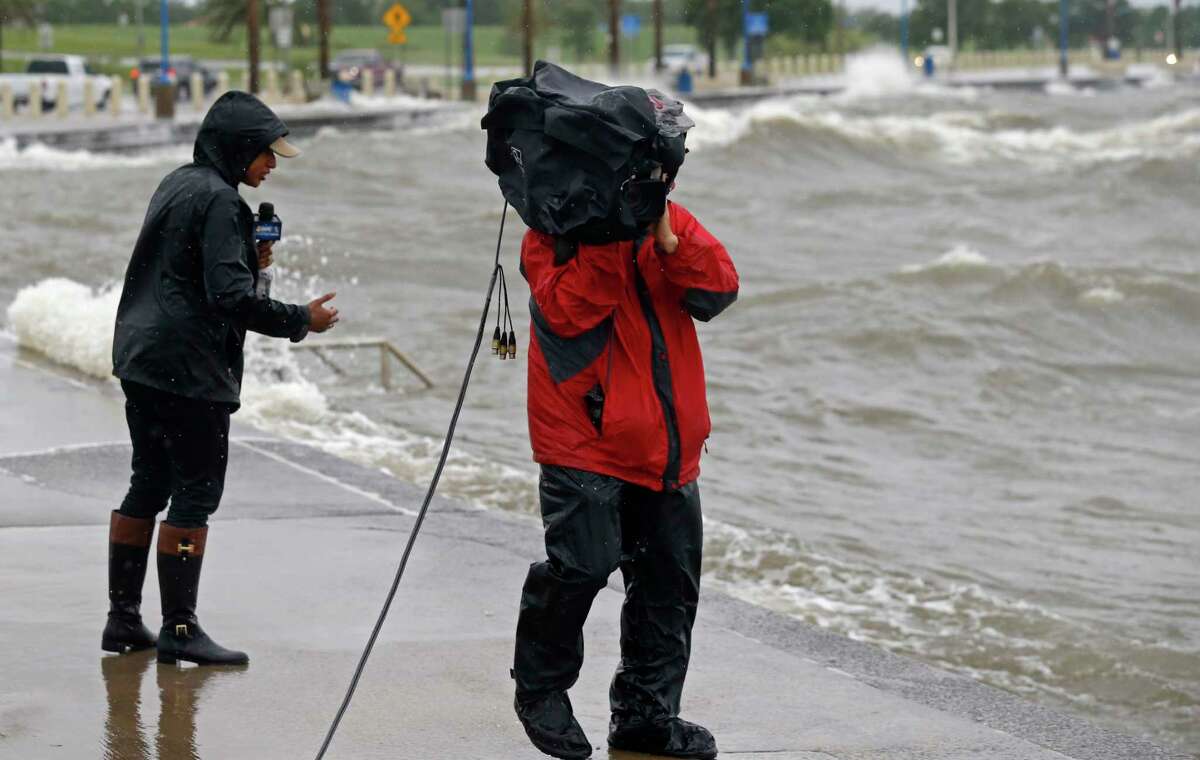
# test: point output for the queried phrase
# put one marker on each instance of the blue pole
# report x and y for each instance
(904, 30)
(162, 71)
(469, 44)
(1062, 38)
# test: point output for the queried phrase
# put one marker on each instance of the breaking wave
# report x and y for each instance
(38, 157)
(956, 137)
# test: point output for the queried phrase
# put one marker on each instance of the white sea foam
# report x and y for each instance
(1102, 295)
(960, 257)
(69, 323)
(876, 73)
(44, 158)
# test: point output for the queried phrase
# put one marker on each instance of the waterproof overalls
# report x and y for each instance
(617, 420)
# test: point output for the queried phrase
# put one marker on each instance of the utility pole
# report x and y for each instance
(712, 39)
(658, 35)
(1063, 40)
(527, 22)
(252, 41)
(952, 30)
(904, 31)
(325, 25)
(614, 36)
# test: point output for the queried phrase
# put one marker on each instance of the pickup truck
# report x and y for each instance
(43, 75)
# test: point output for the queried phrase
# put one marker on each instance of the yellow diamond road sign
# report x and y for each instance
(397, 18)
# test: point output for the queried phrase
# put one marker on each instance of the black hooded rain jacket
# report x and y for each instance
(189, 291)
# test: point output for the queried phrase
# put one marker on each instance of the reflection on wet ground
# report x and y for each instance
(179, 693)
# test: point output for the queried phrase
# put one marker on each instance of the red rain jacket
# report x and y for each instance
(616, 382)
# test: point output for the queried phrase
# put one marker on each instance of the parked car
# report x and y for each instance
(44, 74)
(348, 66)
(678, 57)
(180, 73)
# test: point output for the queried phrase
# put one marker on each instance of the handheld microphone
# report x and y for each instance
(266, 225)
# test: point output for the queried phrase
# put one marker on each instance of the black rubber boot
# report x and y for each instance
(669, 738)
(180, 555)
(128, 553)
(550, 724)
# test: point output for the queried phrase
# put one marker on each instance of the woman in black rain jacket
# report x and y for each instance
(189, 297)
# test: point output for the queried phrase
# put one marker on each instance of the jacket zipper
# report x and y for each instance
(661, 372)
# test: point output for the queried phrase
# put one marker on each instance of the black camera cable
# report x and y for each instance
(497, 271)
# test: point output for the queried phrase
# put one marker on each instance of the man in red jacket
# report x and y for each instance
(617, 419)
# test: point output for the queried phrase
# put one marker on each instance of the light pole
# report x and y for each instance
(1063, 24)
(164, 101)
(904, 30)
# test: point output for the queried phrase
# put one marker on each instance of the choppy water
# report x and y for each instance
(955, 410)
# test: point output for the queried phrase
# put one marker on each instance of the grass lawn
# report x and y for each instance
(105, 45)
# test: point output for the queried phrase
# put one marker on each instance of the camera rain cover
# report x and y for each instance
(564, 149)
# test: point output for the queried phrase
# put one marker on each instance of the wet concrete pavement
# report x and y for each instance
(298, 561)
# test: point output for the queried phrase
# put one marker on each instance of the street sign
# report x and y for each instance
(454, 20)
(280, 21)
(631, 25)
(756, 24)
(397, 19)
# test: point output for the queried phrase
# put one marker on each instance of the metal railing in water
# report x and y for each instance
(387, 352)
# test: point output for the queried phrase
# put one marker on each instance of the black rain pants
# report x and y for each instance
(180, 451)
(595, 524)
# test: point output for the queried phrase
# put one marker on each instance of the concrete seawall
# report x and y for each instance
(299, 559)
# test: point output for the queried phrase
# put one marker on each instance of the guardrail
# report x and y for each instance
(292, 88)
(387, 352)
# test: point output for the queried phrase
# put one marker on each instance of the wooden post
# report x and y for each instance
(297, 87)
(89, 98)
(115, 95)
(143, 93)
(6, 102)
(62, 104)
(196, 88)
(389, 83)
(368, 83)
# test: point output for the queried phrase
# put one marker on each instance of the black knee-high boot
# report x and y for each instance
(128, 553)
(180, 556)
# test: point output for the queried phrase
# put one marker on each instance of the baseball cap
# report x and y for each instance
(282, 147)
